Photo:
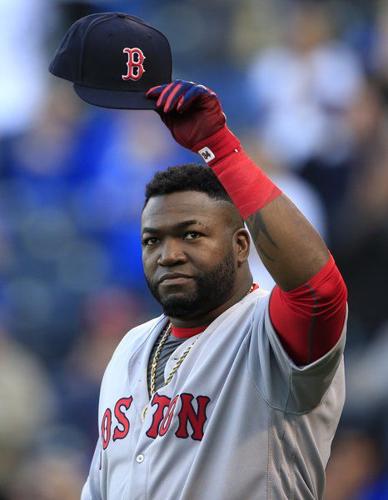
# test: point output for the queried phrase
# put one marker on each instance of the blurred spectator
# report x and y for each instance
(361, 231)
(354, 466)
(23, 61)
(26, 404)
(367, 389)
(379, 56)
(50, 475)
(301, 100)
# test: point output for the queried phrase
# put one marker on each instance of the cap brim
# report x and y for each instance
(114, 98)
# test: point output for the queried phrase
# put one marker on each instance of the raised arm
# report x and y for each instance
(289, 246)
(308, 306)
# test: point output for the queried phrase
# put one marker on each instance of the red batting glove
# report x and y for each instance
(194, 115)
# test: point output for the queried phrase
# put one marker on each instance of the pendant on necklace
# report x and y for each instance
(144, 413)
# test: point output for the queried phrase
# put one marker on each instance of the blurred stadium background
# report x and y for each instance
(304, 84)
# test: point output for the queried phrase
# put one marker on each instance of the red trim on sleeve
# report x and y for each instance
(309, 319)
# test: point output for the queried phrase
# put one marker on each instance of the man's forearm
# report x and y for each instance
(288, 245)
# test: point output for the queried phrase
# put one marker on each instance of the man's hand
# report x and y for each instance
(191, 111)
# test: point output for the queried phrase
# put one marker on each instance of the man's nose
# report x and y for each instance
(171, 253)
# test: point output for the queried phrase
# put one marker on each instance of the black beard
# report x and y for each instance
(213, 289)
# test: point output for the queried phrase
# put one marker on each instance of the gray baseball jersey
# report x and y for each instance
(239, 420)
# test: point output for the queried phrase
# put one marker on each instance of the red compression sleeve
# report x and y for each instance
(309, 319)
(247, 185)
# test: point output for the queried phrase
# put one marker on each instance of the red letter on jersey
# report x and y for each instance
(161, 402)
(106, 428)
(134, 64)
(164, 426)
(122, 418)
(187, 414)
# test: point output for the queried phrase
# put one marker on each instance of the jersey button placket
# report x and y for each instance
(140, 458)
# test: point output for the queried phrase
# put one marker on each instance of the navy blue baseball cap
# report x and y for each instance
(113, 59)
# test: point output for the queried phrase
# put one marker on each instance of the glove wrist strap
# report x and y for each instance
(219, 145)
(249, 188)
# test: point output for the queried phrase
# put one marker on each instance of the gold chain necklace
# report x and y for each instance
(155, 360)
(154, 365)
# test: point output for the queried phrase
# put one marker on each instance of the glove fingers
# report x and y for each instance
(172, 97)
(172, 94)
(164, 94)
(155, 92)
(191, 95)
(166, 97)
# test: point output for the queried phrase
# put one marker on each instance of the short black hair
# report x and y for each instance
(190, 177)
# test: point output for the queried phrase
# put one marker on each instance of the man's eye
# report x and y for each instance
(148, 242)
(191, 235)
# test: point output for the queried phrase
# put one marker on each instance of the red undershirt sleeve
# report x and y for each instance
(309, 319)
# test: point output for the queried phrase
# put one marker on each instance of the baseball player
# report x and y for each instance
(232, 393)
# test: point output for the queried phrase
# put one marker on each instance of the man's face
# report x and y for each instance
(188, 253)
